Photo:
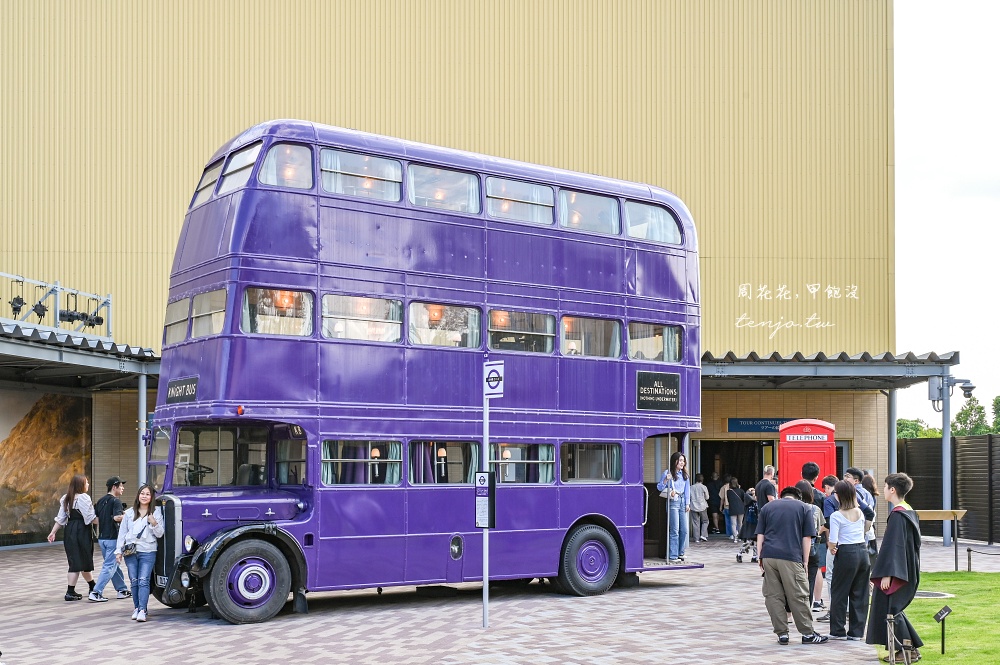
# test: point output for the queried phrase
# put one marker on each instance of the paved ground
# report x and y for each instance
(714, 615)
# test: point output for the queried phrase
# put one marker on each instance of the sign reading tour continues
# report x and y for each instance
(658, 391)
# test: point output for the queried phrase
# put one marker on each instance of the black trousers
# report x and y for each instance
(849, 591)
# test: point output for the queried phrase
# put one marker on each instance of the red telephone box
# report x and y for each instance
(806, 440)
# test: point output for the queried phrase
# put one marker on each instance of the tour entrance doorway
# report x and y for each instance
(742, 459)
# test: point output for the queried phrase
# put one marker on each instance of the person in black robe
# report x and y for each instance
(896, 574)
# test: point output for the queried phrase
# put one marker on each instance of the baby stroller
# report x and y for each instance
(747, 532)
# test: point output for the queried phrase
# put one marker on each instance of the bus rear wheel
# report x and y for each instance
(590, 561)
(249, 583)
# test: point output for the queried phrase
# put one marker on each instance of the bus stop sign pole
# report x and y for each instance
(485, 479)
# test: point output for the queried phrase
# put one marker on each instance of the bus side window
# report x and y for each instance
(288, 165)
(588, 212)
(647, 222)
(590, 462)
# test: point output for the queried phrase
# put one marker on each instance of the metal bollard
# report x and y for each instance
(969, 552)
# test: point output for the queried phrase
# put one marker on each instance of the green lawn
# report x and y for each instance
(971, 629)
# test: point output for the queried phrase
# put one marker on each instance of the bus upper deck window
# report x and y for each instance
(352, 174)
(208, 314)
(654, 341)
(648, 222)
(175, 324)
(520, 201)
(206, 185)
(433, 324)
(277, 312)
(238, 168)
(288, 165)
(431, 187)
(521, 331)
(590, 337)
(588, 212)
(358, 317)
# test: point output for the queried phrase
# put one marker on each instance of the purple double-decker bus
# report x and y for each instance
(333, 297)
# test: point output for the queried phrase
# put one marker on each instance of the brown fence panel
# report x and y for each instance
(975, 486)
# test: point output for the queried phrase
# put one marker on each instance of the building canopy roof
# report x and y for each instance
(62, 361)
(50, 360)
(819, 371)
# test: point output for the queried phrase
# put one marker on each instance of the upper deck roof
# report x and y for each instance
(310, 132)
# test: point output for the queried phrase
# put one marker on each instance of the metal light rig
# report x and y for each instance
(47, 304)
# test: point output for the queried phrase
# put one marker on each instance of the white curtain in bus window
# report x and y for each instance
(290, 461)
(287, 165)
(600, 462)
(588, 212)
(277, 312)
(208, 313)
(357, 317)
(361, 462)
(439, 462)
(648, 222)
(238, 168)
(519, 201)
(431, 187)
(523, 462)
(654, 341)
(590, 337)
(175, 324)
(433, 324)
(352, 174)
(522, 331)
(206, 185)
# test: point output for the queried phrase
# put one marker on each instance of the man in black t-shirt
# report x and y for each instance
(785, 528)
(765, 489)
(109, 509)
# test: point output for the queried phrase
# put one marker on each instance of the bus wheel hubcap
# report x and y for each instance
(592, 561)
(251, 582)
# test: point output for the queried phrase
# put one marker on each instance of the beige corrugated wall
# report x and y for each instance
(771, 119)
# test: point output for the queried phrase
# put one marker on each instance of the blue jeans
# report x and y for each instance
(110, 571)
(140, 567)
(678, 530)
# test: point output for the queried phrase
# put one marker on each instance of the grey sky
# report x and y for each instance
(947, 57)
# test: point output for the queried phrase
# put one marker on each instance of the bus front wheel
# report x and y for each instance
(589, 562)
(249, 583)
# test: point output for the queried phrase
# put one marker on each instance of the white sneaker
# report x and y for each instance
(135, 614)
(95, 597)
(124, 594)
(140, 616)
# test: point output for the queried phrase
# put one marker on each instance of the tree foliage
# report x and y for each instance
(909, 429)
(970, 419)
(915, 429)
(996, 414)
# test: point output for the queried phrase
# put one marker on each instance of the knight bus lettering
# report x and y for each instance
(322, 407)
(182, 390)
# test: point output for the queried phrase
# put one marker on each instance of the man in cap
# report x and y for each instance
(109, 511)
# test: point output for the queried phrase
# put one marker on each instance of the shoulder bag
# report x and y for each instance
(130, 548)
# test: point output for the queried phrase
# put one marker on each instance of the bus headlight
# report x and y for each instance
(190, 544)
(185, 580)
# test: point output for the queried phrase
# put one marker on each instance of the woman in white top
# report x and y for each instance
(142, 524)
(76, 513)
(851, 568)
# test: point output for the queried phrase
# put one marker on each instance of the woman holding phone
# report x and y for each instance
(141, 526)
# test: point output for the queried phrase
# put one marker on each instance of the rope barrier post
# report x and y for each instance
(968, 551)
